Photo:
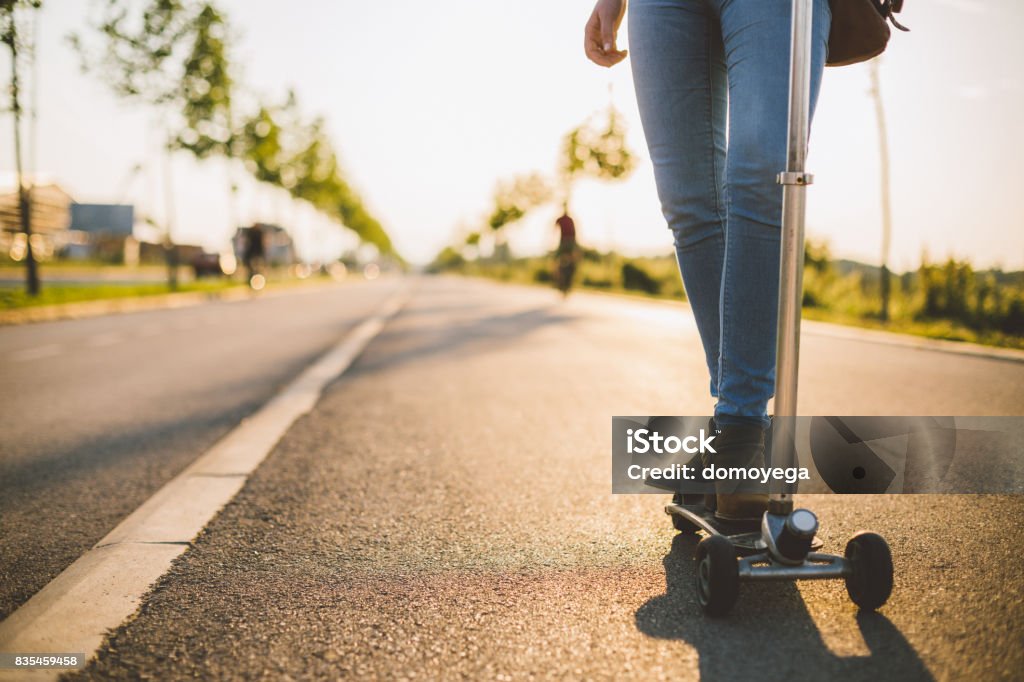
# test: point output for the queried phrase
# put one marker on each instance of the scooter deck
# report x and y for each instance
(745, 536)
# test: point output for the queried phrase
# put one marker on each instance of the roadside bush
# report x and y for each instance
(1013, 320)
(448, 259)
(949, 300)
(598, 283)
(638, 279)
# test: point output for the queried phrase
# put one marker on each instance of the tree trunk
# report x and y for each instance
(170, 249)
(24, 195)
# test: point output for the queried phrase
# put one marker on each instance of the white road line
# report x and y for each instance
(49, 350)
(106, 584)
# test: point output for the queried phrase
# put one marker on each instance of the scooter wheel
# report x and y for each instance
(680, 523)
(718, 579)
(870, 582)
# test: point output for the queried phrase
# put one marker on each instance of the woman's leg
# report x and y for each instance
(756, 36)
(680, 78)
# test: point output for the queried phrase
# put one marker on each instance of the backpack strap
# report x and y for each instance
(888, 8)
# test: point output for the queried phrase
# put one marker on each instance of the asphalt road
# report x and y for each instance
(445, 511)
(97, 414)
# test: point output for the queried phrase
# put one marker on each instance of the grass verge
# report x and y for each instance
(13, 298)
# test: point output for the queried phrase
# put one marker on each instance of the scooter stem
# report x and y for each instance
(794, 181)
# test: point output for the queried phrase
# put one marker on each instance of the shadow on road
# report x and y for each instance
(400, 345)
(770, 634)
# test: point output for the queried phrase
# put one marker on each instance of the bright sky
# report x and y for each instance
(431, 103)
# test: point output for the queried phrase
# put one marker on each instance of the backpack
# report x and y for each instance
(860, 29)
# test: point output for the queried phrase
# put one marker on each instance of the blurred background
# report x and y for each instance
(451, 134)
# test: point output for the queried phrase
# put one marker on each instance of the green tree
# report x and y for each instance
(279, 148)
(156, 55)
(10, 11)
(261, 147)
(206, 89)
(596, 149)
(449, 258)
(173, 55)
(514, 198)
(947, 290)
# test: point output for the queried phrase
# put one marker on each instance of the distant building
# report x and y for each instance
(106, 219)
(50, 214)
(64, 228)
(103, 232)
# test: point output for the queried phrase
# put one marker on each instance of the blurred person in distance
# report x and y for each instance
(568, 251)
(255, 251)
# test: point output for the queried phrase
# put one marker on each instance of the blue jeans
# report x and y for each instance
(698, 64)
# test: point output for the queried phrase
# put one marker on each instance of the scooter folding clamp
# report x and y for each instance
(794, 178)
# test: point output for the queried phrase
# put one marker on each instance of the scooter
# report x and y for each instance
(784, 547)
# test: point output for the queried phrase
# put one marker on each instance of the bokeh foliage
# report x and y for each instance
(597, 149)
(175, 55)
(594, 149)
(512, 199)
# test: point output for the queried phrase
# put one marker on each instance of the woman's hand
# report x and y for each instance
(599, 40)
